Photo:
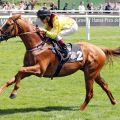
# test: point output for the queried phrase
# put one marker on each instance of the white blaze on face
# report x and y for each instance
(4, 23)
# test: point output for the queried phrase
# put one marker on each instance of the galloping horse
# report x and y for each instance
(43, 62)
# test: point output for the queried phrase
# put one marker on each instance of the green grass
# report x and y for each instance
(60, 98)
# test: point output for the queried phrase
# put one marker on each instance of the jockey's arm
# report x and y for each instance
(52, 33)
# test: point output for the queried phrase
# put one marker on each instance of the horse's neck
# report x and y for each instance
(30, 39)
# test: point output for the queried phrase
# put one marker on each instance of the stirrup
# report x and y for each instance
(65, 56)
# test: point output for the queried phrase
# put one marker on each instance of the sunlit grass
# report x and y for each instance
(60, 98)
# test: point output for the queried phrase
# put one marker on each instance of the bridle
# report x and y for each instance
(5, 36)
(20, 32)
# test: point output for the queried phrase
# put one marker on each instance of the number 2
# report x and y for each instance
(79, 54)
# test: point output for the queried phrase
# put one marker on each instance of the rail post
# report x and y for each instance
(87, 27)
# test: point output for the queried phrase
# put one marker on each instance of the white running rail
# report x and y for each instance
(72, 13)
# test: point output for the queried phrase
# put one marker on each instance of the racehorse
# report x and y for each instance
(42, 62)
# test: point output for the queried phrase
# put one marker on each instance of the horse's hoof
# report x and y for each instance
(12, 96)
(82, 107)
(114, 102)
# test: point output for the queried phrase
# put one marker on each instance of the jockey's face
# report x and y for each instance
(46, 20)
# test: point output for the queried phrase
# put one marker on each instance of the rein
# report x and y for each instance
(5, 36)
(39, 46)
(22, 32)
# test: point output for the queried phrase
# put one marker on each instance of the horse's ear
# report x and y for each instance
(17, 16)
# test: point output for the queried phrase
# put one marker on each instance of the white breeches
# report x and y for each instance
(67, 31)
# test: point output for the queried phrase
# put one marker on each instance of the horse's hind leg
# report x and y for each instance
(100, 81)
(91, 71)
(89, 90)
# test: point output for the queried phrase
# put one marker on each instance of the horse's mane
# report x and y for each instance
(16, 16)
(31, 27)
(26, 19)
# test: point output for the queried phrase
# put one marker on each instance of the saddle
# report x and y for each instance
(74, 54)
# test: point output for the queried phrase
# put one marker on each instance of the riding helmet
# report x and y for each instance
(43, 13)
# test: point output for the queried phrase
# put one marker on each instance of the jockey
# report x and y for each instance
(57, 26)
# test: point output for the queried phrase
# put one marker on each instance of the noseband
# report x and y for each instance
(5, 35)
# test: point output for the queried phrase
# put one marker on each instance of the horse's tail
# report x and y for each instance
(111, 52)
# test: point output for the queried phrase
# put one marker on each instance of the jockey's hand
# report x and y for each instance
(37, 29)
(41, 31)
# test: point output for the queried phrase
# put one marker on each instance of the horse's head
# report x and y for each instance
(11, 28)
(17, 26)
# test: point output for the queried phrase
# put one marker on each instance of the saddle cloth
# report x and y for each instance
(74, 52)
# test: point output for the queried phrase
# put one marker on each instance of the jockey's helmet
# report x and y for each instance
(42, 14)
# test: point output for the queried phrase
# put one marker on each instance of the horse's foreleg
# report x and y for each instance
(11, 81)
(31, 69)
(100, 81)
(19, 76)
(24, 70)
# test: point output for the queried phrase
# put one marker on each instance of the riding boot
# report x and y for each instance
(64, 48)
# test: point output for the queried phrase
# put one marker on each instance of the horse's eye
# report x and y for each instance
(6, 26)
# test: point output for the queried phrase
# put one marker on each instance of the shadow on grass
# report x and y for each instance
(43, 109)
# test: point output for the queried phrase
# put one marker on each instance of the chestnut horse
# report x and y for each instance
(43, 62)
